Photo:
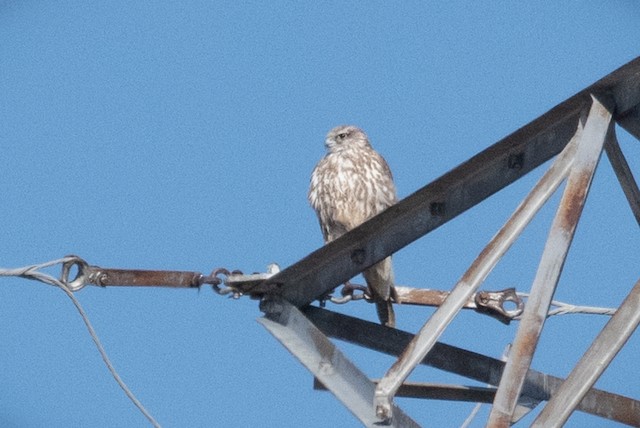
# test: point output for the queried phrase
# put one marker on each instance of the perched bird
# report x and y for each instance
(351, 184)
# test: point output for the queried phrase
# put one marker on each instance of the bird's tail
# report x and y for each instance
(380, 281)
(386, 313)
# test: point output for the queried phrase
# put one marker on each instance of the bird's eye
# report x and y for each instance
(342, 136)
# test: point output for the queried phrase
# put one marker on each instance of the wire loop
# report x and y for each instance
(81, 278)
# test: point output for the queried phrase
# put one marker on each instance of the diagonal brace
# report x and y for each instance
(538, 386)
(324, 360)
(473, 278)
(593, 363)
(551, 264)
(624, 174)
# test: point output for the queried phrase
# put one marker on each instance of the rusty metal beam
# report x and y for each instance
(450, 195)
(492, 303)
(537, 386)
(553, 257)
(321, 357)
(435, 204)
(426, 297)
(473, 278)
(593, 363)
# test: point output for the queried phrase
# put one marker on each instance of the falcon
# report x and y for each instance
(351, 184)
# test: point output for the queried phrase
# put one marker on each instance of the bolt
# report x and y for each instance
(384, 414)
(271, 306)
(357, 256)
(516, 161)
(436, 209)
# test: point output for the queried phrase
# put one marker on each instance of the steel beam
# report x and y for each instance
(321, 357)
(473, 278)
(435, 391)
(551, 263)
(630, 121)
(450, 195)
(624, 174)
(593, 363)
(440, 201)
(537, 386)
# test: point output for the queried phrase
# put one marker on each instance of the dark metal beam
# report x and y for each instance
(321, 357)
(624, 174)
(537, 386)
(450, 195)
(478, 271)
(630, 121)
(434, 391)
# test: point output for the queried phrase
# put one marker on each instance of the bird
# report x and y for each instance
(351, 184)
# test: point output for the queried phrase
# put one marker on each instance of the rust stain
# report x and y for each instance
(145, 278)
(422, 297)
(528, 345)
(571, 206)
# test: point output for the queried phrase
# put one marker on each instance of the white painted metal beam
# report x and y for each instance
(321, 357)
(455, 192)
(551, 264)
(537, 387)
(472, 279)
(593, 363)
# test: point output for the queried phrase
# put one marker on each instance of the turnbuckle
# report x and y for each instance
(222, 280)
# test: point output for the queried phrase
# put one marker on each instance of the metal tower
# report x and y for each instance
(575, 132)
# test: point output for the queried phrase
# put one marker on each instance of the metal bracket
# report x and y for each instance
(493, 303)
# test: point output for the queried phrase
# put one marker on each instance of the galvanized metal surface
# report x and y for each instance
(460, 189)
(551, 264)
(537, 386)
(321, 357)
(428, 208)
(472, 279)
(593, 363)
(450, 195)
(495, 304)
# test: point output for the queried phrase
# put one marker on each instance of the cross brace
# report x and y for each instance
(615, 97)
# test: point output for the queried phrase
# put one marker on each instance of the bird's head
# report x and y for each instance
(345, 137)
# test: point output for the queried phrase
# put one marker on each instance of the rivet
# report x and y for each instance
(516, 161)
(436, 209)
(357, 256)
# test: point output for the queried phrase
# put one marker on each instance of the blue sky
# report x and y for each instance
(181, 135)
